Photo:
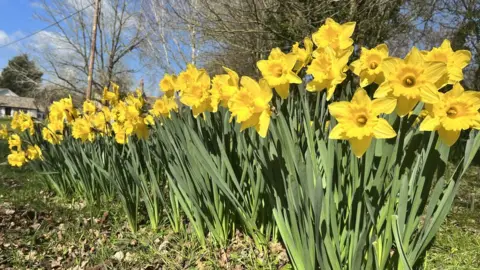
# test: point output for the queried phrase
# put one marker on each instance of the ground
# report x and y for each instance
(39, 230)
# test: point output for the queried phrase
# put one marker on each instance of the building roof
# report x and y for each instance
(18, 102)
(7, 92)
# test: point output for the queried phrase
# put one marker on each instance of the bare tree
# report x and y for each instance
(171, 42)
(237, 33)
(65, 56)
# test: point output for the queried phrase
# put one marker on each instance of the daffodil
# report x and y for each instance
(17, 158)
(110, 97)
(224, 86)
(149, 121)
(81, 129)
(328, 71)
(457, 110)
(195, 91)
(99, 121)
(14, 142)
(141, 129)
(411, 80)
(119, 112)
(358, 120)
(22, 121)
(136, 101)
(334, 35)
(369, 66)
(122, 131)
(53, 132)
(188, 77)
(250, 105)
(34, 152)
(278, 71)
(3, 132)
(62, 110)
(163, 106)
(89, 107)
(304, 55)
(167, 85)
(455, 61)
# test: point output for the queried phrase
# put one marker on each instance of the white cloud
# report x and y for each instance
(35, 4)
(4, 38)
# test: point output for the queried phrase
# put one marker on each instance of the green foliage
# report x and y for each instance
(21, 75)
(331, 209)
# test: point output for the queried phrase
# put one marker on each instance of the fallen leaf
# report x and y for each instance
(119, 256)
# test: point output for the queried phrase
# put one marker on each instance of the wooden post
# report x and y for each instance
(91, 62)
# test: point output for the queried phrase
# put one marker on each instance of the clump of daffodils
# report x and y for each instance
(397, 84)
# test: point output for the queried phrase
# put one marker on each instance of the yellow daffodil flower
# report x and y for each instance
(136, 101)
(188, 77)
(15, 143)
(163, 106)
(195, 92)
(369, 66)
(457, 110)
(168, 85)
(122, 132)
(250, 105)
(141, 129)
(110, 97)
(224, 86)
(455, 61)
(22, 121)
(89, 107)
(3, 132)
(334, 35)
(17, 158)
(34, 152)
(81, 129)
(62, 110)
(358, 120)
(278, 71)
(411, 80)
(304, 55)
(149, 121)
(328, 71)
(99, 122)
(53, 132)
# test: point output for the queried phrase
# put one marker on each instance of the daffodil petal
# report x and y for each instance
(339, 109)
(429, 93)
(383, 130)
(355, 67)
(263, 123)
(449, 137)
(383, 90)
(360, 146)
(361, 97)
(337, 133)
(384, 105)
(405, 105)
(461, 58)
(434, 71)
(283, 90)
(430, 123)
(414, 57)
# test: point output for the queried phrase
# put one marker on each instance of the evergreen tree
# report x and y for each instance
(21, 75)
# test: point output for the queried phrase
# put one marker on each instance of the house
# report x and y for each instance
(10, 103)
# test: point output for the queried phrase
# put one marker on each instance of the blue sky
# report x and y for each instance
(16, 20)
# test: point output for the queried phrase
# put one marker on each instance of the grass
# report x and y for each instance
(4, 121)
(457, 245)
(38, 230)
